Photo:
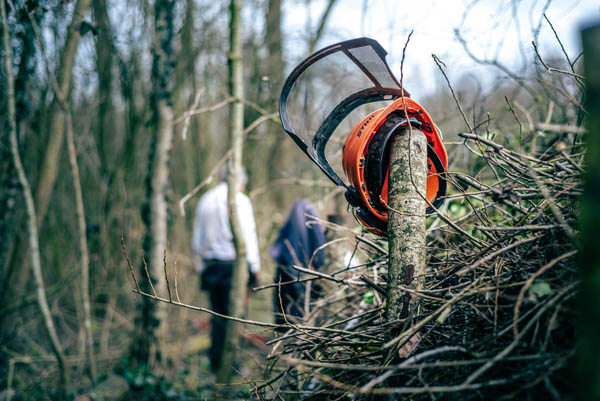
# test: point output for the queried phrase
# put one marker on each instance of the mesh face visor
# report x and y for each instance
(326, 87)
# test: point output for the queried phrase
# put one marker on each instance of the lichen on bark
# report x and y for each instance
(406, 223)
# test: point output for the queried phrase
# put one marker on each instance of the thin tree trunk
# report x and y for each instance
(83, 248)
(9, 213)
(80, 211)
(184, 95)
(158, 205)
(275, 68)
(406, 224)
(314, 39)
(30, 207)
(56, 125)
(588, 349)
(104, 52)
(240, 268)
(153, 315)
(282, 147)
(49, 168)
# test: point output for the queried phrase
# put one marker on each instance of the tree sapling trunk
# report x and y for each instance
(406, 223)
(240, 269)
(32, 227)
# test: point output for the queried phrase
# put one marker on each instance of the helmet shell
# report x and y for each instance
(355, 157)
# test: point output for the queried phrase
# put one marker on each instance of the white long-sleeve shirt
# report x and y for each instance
(212, 238)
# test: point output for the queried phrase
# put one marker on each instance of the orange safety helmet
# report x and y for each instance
(326, 88)
(365, 160)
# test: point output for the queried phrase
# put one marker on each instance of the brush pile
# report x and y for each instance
(495, 319)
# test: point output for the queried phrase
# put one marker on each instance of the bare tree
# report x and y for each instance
(12, 228)
(316, 35)
(104, 53)
(157, 182)
(30, 207)
(56, 129)
(56, 126)
(282, 147)
(79, 208)
(240, 267)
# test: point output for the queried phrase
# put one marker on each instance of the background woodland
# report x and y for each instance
(121, 120)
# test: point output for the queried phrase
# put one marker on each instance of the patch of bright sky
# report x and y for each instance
(490, 29)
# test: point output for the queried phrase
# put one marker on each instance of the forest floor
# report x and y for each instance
(190, 377)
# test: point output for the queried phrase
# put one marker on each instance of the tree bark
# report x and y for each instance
(314, 38)
(282, 147)
(30, 208)
(197, 147)
(158, 203)
(56, 129)
(104, 53)
(79, 208)
(240, 268)
(406, 223)
(153, 315)
(275, 67)
(9, 182)
(588, 363)
(51, 156)
(275, 61)
(83, 249)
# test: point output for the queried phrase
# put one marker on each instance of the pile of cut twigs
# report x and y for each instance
(496, 317)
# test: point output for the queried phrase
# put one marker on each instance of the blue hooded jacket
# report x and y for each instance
(302, 235)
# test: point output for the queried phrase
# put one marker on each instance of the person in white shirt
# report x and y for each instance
(214, 253)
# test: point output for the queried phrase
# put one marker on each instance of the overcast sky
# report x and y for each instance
(489, 28)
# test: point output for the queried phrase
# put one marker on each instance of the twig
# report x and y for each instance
(176, 290)
(186, 123)
(318, 274)
(166, 275)
(194, 112)
(528, 284)
(439, 63)
(137, 286)
(551, 69)
(374, 285)
(560, 296)
(209, 178)
(561, 128)
(495, 254)
(148, 275)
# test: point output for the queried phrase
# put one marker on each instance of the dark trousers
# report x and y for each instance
(290, 296)
(216, 279)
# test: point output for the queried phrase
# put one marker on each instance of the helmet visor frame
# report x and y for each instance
(326, 87)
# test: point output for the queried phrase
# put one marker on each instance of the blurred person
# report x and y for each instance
(214, 253)
(298, 240)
